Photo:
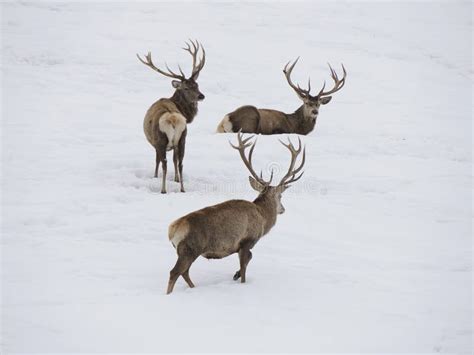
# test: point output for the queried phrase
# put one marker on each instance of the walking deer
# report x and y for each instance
(233, 226)
(165, 121)
(250, 119)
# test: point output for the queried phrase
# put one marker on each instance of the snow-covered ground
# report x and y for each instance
(374, 251)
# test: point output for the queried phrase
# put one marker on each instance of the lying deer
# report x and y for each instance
(165, 121)
(250, 119)
(233, 226)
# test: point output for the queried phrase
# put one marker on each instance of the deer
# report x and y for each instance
(250, 119)
(234, 226)
(165, 123)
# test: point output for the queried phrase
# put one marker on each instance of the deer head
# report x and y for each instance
(263, 186)
(311, 103)
(187, 86)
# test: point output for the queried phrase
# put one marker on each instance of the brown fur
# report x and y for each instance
(249, 119)
(218, 231)
(165, 121)
(188, 108)
(165, 112)
(153, 116)
(233, 226)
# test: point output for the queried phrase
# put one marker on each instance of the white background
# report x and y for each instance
(374, 251)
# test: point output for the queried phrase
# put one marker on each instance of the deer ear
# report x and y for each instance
(326, 100)
(176, 84)
(255, 184)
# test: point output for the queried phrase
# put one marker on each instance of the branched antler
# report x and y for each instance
(243, 144)
(302, 93)
(305, 93)
(292, 174)
(194, 52)
(193, 49)
(169, 74)
(338, 83)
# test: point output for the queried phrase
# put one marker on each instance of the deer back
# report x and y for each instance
(218, 231)
(249, 119)
(159, 117)
(274, 122)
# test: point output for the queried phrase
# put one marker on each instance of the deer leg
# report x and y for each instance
(163, 181)
(181, 268)
(181, 147)
(187, 278)
(181, 175)
(161, 157)
(177, 178)
(245, 255)
(157, 163)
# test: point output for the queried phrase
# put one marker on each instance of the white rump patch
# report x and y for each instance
(173, 125)
(225, 126)
(177, 231)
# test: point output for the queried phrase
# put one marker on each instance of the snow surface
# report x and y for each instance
(374, 252)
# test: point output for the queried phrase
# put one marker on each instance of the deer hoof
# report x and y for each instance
(176, 179)
(163, 191)
(236, 275)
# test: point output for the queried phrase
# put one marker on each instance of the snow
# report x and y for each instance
(374, 252)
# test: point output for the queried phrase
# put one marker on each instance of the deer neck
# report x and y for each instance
(268, 208)
(187, 108)
(299, 122)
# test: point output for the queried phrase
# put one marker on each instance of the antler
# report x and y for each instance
(244, 144)
(292, 174)
(303, 93)
(338, 83)
(170, 74)
(194, 52)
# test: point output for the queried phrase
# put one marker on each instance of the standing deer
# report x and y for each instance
(233, 226)
(165, 121)
(250, 119)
